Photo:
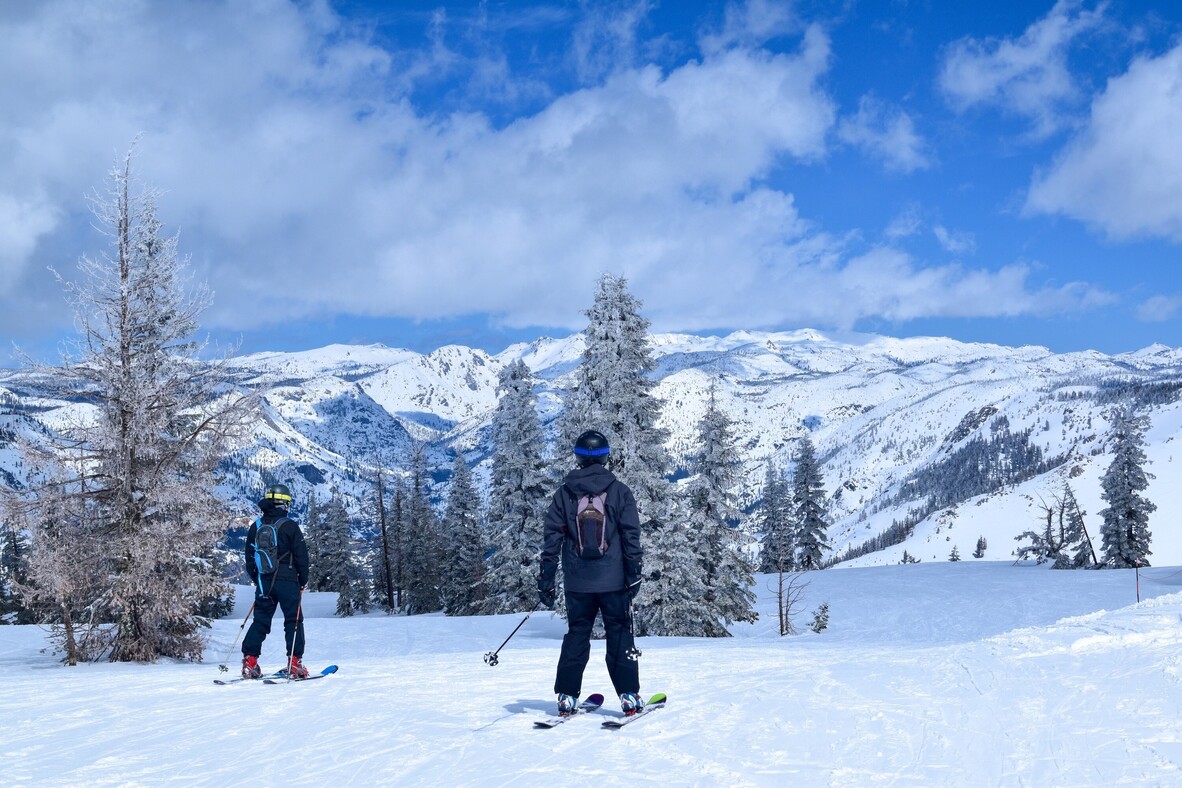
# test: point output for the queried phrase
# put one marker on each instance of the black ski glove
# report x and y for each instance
(547, 596)
(633, 588)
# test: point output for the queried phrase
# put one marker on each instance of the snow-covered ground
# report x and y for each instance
(956, 674)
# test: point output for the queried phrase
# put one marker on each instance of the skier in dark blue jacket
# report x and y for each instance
(283, 587)
(601, 568)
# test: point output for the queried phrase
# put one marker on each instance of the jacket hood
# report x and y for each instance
(591, 480)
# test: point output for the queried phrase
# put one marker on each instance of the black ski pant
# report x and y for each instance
(576, 644)
(284, 594)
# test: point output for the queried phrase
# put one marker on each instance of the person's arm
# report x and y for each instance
(251, 569)
(629, 528)
(552, 536)
(299, 553)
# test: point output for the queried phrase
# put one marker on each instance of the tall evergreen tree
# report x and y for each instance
(14, 573)
(1077, 538)
(520, 494)
(380, 563)
(1125, 532)
(713, 518)
(776, 517)
(338, 568)
(387, 548)
(423, 569)
(613, 394)
(808, 497)
(464, 589)
(133, 494)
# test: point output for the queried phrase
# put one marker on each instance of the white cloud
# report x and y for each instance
(1123, 172)
(1159, 308)
(908, 223)
(1027, 75)
(305, 183)
(750, 24)
(887, 133)
(954, 242)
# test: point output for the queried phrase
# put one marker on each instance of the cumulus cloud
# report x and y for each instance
(1123, 172)
(887, 133)
(1027, 75)
(303, 175)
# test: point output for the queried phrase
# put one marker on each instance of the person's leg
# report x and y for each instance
(623, 670)
(260, 627)
(576, 644)
(288, 593)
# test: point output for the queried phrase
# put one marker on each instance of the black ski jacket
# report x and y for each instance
(293, 551)
(621, 565)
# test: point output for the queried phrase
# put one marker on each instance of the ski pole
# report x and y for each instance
(222, 667)
(295, 632)
(490, 658)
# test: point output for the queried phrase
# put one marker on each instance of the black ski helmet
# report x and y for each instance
(277, 495)
(592, 447)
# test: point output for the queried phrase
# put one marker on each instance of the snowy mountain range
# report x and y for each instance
(893, 421)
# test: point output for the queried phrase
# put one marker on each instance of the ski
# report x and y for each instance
(655, 702)
(589, 705)
(276, 675)
(283, 679)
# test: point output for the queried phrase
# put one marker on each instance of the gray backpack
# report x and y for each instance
(590, 536)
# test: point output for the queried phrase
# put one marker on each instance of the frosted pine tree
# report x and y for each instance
(338, 568)
(464, 588)
(613, 393)
(520, 495)
(1125, 532)
(315, 539)
(776, 519)
(423, 564)
(808, 498)
(672, 597)
(1077, 539)
(133, 490)
(712, 519)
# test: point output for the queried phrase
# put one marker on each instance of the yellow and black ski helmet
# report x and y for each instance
(276, 495)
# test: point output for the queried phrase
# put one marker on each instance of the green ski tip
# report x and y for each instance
(658, 698)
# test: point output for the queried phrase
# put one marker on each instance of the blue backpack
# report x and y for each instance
(266, 548)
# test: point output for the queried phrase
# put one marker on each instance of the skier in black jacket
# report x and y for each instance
(604, 579)
(281, 588)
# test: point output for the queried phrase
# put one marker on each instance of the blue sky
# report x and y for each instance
(419, 173)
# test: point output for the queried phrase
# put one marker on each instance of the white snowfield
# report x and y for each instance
(947, 674)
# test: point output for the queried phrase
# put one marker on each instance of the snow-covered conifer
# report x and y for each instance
(955, 554)
(713, 519)
(1125, 532)
(338, 568)
(423, 564)
(520, 494)
(982, 546)
(808, 497)
(776, 516)
(464, 588)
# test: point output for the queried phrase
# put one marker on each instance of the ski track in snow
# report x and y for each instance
(1085, 689)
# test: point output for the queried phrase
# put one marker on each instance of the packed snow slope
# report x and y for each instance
(948, 674)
